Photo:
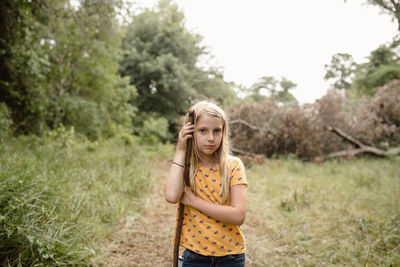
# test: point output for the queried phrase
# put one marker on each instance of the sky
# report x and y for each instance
(294, 39)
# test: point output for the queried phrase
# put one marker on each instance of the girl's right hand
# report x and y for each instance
(185, 133)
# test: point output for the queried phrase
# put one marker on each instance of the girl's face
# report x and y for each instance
(208, 135)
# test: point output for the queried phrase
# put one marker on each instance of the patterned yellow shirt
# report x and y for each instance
(203, 234)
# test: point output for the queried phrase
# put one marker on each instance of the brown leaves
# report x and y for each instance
(266, 128)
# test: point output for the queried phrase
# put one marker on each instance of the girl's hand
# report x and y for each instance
(187, 196)
(184, 135)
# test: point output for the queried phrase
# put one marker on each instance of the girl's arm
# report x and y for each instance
(233, 214)
(173, 185)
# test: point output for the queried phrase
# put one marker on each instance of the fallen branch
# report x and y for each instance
(242, 152)
(251, 126)
(353, 152)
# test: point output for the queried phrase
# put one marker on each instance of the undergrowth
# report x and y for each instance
(61, 195)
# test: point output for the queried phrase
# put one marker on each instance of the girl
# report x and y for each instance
(215, 199)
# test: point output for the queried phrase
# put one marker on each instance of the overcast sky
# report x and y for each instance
(295, 39)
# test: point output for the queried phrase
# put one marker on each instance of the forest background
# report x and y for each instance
(103, 84)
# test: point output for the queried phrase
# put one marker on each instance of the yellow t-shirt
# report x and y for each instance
(203, 234)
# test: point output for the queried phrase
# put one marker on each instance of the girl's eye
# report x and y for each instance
(202, 131)
(217, 131)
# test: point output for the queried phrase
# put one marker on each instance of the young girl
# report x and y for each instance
(215, 199)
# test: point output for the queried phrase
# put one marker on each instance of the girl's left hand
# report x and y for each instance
(187, 196)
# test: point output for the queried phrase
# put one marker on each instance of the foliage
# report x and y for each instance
(382, 67)
(378, 119)
(268, 87)
(341, 70)
(5, 122)
(160, 57)
(361, 79)
(23, 62)
(54, 55)
(391, 7)
(297, 129)
(340, 213)
(302, 130)
(154, 130)
(61, 196)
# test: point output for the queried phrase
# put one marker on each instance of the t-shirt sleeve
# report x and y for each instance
(238, 174)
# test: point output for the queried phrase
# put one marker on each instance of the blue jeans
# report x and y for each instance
(192, 259)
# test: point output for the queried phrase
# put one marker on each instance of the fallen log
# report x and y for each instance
(353, 152)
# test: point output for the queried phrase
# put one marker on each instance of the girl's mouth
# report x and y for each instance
(209, 147)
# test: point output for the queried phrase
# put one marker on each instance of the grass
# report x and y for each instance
(61, 196)
(344, 213)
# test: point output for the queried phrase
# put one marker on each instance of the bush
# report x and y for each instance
(154, 130)
(378, 119)
(298, 130)
(87, 117)
(266, 128)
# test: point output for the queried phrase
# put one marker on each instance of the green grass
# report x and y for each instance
(344, 213)
(61, 196)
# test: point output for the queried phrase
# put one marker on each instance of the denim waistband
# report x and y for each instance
(189, 255)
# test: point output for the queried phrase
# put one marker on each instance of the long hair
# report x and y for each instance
(223, 152)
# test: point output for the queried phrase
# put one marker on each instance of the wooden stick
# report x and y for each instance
(186, 182)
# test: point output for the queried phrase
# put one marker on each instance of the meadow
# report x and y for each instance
(62, 197)
(340, 213)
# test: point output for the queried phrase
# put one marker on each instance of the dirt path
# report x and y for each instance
(148, 240)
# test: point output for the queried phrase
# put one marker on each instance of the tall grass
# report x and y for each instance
(61, 195)
(341, 213)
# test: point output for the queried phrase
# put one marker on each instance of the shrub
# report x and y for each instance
(269, 129)
(378, 119)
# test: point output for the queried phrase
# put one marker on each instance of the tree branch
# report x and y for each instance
(241, 152)
(353, 152)
(345, 136)
(262, 130)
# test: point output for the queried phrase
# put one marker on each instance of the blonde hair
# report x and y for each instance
(206, 107)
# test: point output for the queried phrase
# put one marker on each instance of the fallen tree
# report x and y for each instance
(361, 147)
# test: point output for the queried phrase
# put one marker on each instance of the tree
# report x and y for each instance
(59, 65)
(210, 83)
(382, 67)
(85, 87)
(284, 96)
(359, 79)
(341, 71)
(269, 87)
(23, 63)
(160, 57)
(391, 7)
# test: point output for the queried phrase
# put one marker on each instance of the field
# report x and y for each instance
(344, 213)
(67, 201)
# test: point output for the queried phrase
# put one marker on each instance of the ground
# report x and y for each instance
(148, 240)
